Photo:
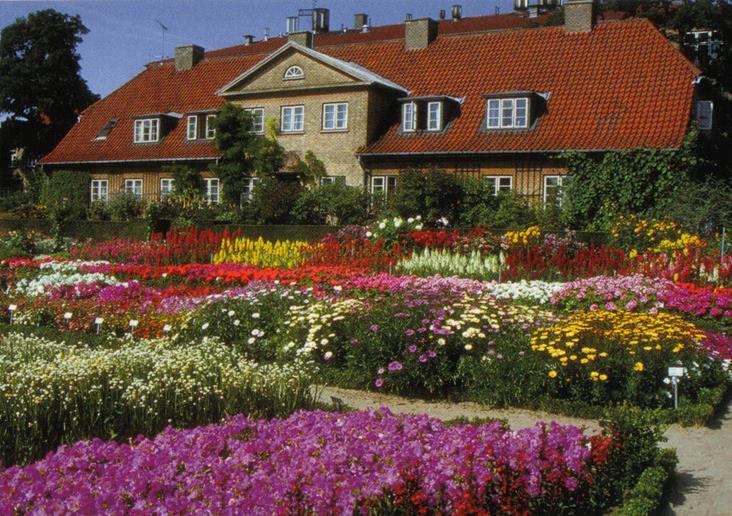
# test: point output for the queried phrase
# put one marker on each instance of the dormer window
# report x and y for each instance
(507, 113)
(192, 128)
(147, 130)
(210, 128)
(434, 116)
(294, 72)
(409, 117)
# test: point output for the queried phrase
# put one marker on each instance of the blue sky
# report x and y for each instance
(124, 35)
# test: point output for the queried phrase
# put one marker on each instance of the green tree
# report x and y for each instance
(41, 88)
(187, 181)
(244, 153)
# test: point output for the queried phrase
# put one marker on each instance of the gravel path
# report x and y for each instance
(703, 484)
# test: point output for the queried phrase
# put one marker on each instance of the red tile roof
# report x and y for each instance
(621, 86)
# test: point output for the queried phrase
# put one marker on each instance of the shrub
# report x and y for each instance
(125, 207)
(432, 194)
(479, 203)
(513, 212)
(336, 204)
(274, 199)
(67, 191)
(186, 180)
(99, 210)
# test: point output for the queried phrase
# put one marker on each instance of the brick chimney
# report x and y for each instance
(579, 15)
(359, 20)
(304, 38)
(187, 56)
(419, 33)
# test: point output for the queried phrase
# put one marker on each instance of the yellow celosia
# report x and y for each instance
(261, 253)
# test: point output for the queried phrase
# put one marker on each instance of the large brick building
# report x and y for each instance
(485, 96)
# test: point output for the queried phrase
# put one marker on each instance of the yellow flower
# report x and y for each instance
(603, 377)
(638, 367)
(552, 374)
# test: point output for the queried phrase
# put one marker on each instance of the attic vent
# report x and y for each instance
(104, 132)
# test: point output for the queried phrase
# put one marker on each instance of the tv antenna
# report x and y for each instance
(163, 30)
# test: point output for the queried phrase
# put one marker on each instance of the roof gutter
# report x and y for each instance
(156, 160)
(486, 153)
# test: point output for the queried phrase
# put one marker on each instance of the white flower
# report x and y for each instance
(231, 313)
(382, 225)
(205, 326)
(236, 323)
(369, 234)
(328, 355)
(410, 220)
(468, 347)
(255, 315)
(251, 340)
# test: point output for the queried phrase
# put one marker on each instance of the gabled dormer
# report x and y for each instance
(428, 114)
(515, 110)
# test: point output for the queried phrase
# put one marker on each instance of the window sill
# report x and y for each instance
(288, 133)
(334, 130)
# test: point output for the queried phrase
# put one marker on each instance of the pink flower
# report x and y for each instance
(395, 366)
(379, 382)
(610, 306)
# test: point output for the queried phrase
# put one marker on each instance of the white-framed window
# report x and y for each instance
(335, 116)
(134, 186)
(147, 130)
(383, 185)
(166, 186)
(294, 72)
(210, 129)
(257, 119)
(14, 158)
(212, 190)
(434, 116)
(99, 190)
(499, 183)
(409, 117)
(293, 119)
(507, 113)
(327, 180)
(192, 128)
(246, 195)
(704, 115)
(553, 189)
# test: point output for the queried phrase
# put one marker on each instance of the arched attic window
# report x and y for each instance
(294, 72)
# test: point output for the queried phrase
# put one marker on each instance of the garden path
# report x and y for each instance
(703, 484)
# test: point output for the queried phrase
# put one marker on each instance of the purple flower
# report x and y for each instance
(610, 306)
(423, 358)
(379, 382)
(409, 332)
(395, 366)
(412, 348)
(374, 328)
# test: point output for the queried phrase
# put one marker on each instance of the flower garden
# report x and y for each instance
(179, 374)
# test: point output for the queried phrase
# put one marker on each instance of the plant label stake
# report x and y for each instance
(12, 309)
(133, 325)
(68, 316)
(675, 373)
(98, 321)
(167, 328)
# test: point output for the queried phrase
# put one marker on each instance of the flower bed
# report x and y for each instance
(55, 393)
(371, 462)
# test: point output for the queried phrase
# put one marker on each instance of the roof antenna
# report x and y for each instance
(497, 10)
(163, 30)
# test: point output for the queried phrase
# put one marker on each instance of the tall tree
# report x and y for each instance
(41, 88)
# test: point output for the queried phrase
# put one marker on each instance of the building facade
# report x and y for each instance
(486, 97)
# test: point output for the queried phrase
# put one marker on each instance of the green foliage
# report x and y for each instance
(187, 181)
(334, 203)
(65, 193)
(124, 207)
(479, 203)
(273, 200)
(244, 154)
(432, 194)
(641, 182)
(702, 207)
(311, 169)
(41, 88)
(514, 212)
(99, 210)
